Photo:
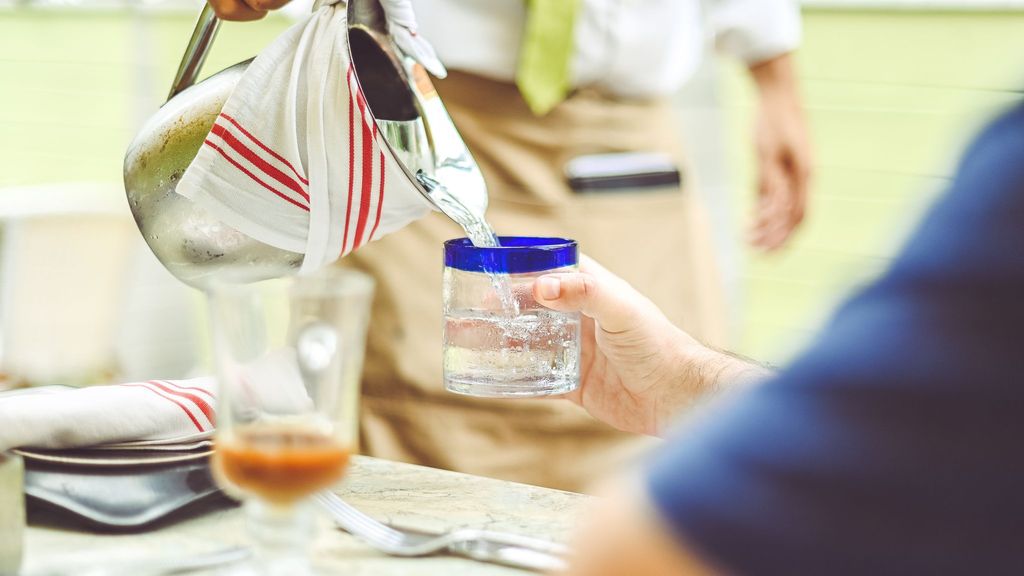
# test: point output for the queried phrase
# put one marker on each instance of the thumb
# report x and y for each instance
(614, 310)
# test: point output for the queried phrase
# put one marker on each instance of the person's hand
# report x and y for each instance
(783, 154)
(244, 10)
(637, 370)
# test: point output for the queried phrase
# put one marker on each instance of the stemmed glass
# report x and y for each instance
(288, 356)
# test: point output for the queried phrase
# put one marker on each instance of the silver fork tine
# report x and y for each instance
(341, 516)
(357, 519)
(373, 533)
(358, 523)
(509, 549)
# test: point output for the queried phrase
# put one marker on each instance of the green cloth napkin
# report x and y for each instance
(544, 58)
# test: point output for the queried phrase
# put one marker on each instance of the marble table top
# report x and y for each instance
(407, 495)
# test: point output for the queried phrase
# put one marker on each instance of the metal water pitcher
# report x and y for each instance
(194, 245)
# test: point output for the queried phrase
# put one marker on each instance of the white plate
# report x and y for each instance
(110, 458)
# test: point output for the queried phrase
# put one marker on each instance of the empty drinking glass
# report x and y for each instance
(498, 341)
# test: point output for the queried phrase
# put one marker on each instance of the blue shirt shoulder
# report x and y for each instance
(892, 446)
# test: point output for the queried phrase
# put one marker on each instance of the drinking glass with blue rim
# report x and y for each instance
(498, 341)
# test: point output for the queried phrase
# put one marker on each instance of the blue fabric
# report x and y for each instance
(895, 444)
(516, 255)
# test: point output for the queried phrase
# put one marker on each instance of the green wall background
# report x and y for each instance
(76, 84)
(891, 96)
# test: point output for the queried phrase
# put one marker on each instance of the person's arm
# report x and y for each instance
(783, 153)
(638, 372)
(764, 34)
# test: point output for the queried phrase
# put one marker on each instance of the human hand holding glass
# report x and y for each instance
(288, 355)
(638, 371)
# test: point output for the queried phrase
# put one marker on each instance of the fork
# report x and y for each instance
(482, 545)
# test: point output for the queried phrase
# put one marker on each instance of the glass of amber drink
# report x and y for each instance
(288, 356)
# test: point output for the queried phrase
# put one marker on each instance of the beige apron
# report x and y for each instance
(657, 241)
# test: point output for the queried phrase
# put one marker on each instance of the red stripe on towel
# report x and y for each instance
(282, 159)
(267, 168)
(380, 198)
(367, 178)
(351, 159)
(243, 170)
(199, 402)
(193, 388)
(184, 408)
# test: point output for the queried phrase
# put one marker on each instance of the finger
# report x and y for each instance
(764, 215)
(773, 210)
(588, 351)
(588, 345)
(773, 236)
(800, 176)
(769, 177)
(793, 188)
(765, 219)
(615, 310)
(775, 220)
(236, 10)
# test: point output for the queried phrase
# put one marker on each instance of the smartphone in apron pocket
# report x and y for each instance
(634, 216)
(641, 172)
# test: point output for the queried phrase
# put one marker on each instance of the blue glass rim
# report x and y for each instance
(516, 255)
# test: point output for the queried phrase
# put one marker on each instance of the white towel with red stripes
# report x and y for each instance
(156, 412)
(295, 159)
(151, 415)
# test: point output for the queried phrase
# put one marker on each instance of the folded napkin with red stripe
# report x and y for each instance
(157, 412)
(151, 415)
(295, 159)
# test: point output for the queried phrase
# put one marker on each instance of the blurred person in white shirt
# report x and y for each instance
(532, 85)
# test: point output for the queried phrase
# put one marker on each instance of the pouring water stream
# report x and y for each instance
(479, 232)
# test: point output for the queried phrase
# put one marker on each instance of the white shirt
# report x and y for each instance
(629, 48)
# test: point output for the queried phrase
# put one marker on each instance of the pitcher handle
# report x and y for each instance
(196, 51)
